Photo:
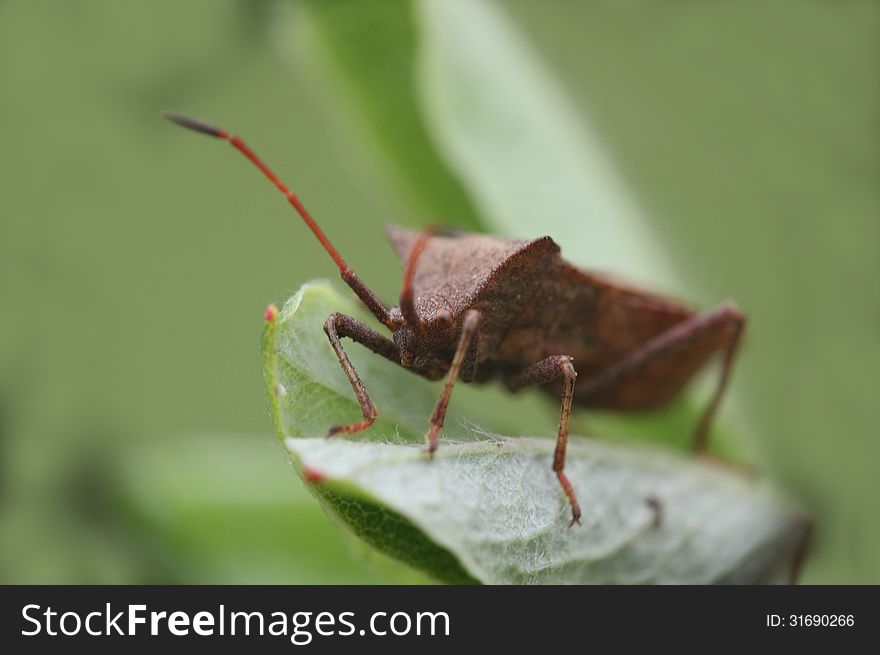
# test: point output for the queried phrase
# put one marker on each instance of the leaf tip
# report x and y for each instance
(271, 313)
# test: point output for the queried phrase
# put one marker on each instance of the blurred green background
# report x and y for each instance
(136, 260)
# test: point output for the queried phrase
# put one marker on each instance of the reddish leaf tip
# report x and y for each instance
(311, 475)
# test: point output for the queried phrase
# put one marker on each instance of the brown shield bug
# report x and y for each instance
(476, 307)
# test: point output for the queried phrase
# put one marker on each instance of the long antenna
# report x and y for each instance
(376, 306)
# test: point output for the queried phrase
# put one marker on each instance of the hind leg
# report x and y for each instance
(654, 373)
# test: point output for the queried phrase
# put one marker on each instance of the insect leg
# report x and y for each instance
(667, 361)
(468, 330)
(801, 549)
(547, 370)
(340, 325)
(734, 320)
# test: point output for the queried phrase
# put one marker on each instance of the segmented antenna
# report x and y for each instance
(376, 306)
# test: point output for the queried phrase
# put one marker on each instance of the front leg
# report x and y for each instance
(469, 329)
(547, 370)
(340, 325)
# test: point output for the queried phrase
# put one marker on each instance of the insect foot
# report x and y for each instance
(351, 428)
(572, 499)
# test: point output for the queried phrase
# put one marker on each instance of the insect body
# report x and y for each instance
(476, 307)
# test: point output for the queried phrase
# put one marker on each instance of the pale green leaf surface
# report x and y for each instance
(489, 509)
(497, 506)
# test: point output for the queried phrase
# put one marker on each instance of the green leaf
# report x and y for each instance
(497, 509)
(361, 53)
(489, 508)
(531, 164)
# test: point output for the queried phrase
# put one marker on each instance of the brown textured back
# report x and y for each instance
(596, 320)
(463, 271)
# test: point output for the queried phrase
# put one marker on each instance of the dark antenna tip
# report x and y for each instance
(193, 124)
